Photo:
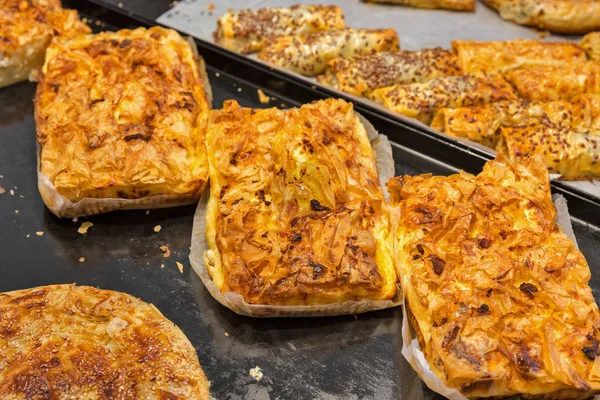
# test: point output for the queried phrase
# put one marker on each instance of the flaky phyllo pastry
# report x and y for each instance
(121, 122)
(26, 28)
(296, 214)
(497, 294)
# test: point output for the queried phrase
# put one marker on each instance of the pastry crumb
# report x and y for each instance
(147, 212)
(180, 266)
(166, 251)
(2, 191)
(262, 97)
(157, 228)
(210, 6)
(21, 196)
(217, 74)
(256, 373)
(120, 5)
(162, 265)
(239, 89)
(81, 259)
(12, 192)
(40, 233)
(16, 211)
(28, 235)
(84, 227)
(282, 105)
(226, 334)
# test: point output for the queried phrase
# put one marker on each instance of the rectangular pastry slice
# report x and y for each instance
(457, 5)
(422, 100)
(574, 154)
(482, 124)
(555, 82)
(591, 45)
(245, 31)
(308, 55)
(497, 294)
(121, 116)
(363, 74)
(26, 28)
(296, 214)
(495, 57)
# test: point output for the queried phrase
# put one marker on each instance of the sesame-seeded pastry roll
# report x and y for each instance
(362, 74)
(482, 123)
(26, 28)
(121, 119)
(591, 45)
(308, 55)
(497, 294)
(497, 56)
(572, 153)
(457, 5)
(423, 100)
(245, 31)
(296, 215)
(564, 16)
(79, 342)
(555, 82)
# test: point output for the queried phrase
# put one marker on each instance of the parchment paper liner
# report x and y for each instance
(63, 207)
(385, 167)
(411, 348)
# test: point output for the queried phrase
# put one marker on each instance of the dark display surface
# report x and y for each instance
(325, 358)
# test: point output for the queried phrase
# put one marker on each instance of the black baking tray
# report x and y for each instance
(433, 144)
(349, 357)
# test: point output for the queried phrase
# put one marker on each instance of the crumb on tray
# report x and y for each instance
(81, 259)
(210, 6)
(166, 251)
(157, 228)
(84, 227)
(262, 97)
(12, 192)
(2, 191)
(180, 266)
(256, 373)
(40, 233)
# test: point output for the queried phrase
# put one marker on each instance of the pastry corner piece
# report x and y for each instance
(496, 292)
(79, 342)
(26, 29)
(121, 120)
(456, 5)
(296, 215)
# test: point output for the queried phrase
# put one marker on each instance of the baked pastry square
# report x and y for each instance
(120, 119)
(496, 292)
(296, 214)
(79, 342)
(26, 28)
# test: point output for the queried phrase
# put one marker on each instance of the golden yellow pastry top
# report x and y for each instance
(296, 214)
(498, 294)
(79, 342)
(122, 115)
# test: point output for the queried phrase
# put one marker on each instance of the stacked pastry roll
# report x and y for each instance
(301, 38)
(520, 97)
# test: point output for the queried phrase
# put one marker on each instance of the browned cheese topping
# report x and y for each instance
(296, 214)
(308, 55)
(122, 115)
(422, 100)
(78, 342)
(497, 293)
(245, 31)
(363, 74)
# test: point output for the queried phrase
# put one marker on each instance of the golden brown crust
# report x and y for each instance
(493, 57)
(498, 293)
(591, 45)
(296, 214)
(422, 100)
(26, 28)
(122, 115)
(482, 124)
(555, 82)
(245, 31)
(308, 55)
(79, 342)
(363, 74)
(457, 5)
(565, 16)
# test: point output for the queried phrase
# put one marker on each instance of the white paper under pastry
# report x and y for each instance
(411, 348)
(382, 152)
